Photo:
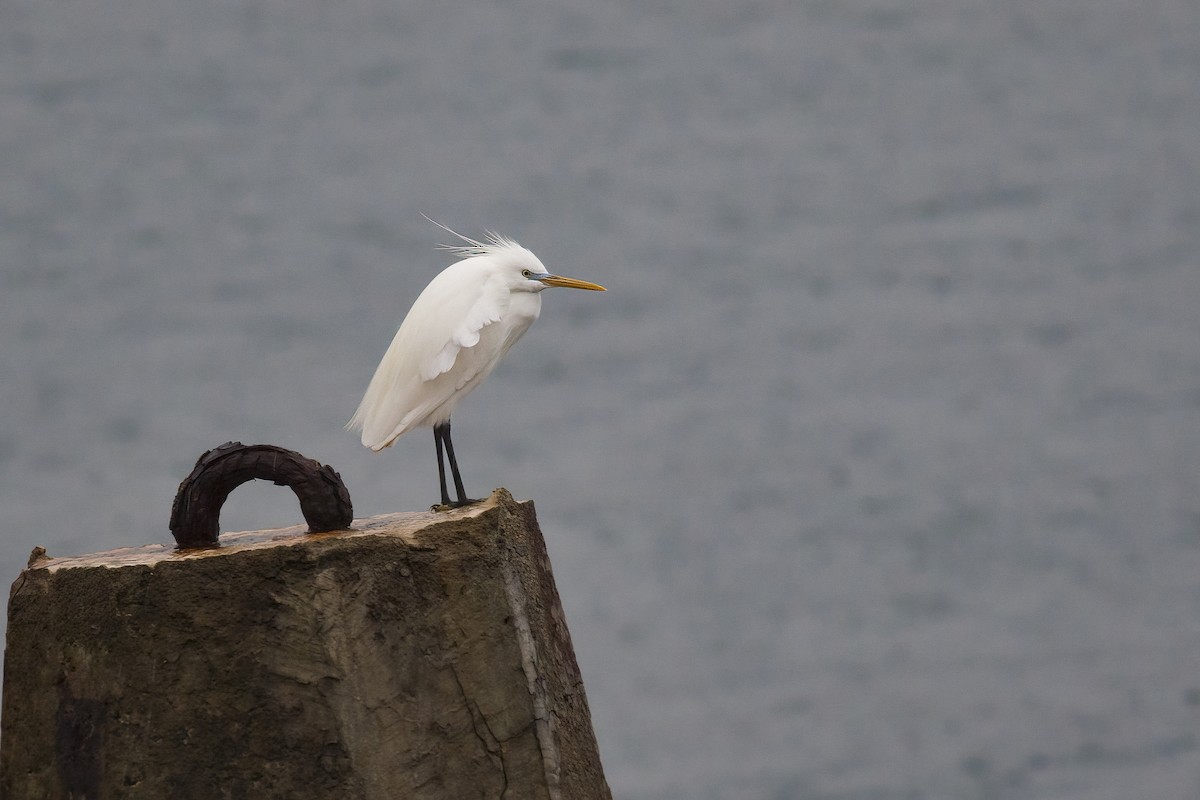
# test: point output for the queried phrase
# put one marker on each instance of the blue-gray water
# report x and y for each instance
(876, 473)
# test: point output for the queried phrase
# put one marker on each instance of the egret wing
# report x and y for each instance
(420, 371)
(465, 317)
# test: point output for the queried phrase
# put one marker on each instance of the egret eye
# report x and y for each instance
(526, 273)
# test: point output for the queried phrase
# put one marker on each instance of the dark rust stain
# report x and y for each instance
(79, 734)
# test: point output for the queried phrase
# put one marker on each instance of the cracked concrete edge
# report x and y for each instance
(562, 720)
(542, 720)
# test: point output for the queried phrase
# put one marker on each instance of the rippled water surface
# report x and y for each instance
(876, 473)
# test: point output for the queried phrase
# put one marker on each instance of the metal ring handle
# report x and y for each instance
(195, 514)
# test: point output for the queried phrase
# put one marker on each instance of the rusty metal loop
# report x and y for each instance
(195, 514)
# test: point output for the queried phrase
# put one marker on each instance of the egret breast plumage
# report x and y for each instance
(452, 338)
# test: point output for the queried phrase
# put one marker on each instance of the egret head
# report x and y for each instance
(524, 271)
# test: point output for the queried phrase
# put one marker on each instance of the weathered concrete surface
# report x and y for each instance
(419, 655)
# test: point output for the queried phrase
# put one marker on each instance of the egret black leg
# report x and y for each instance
(458, 483)
(441, 436)
(438, 432)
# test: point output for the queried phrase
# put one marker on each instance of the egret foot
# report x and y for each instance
(453, 505)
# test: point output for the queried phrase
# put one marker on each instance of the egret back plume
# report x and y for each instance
(472, 247)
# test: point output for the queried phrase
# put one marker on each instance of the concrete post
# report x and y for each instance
(418, 655)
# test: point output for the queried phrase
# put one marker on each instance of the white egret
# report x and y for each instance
(452, 338)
